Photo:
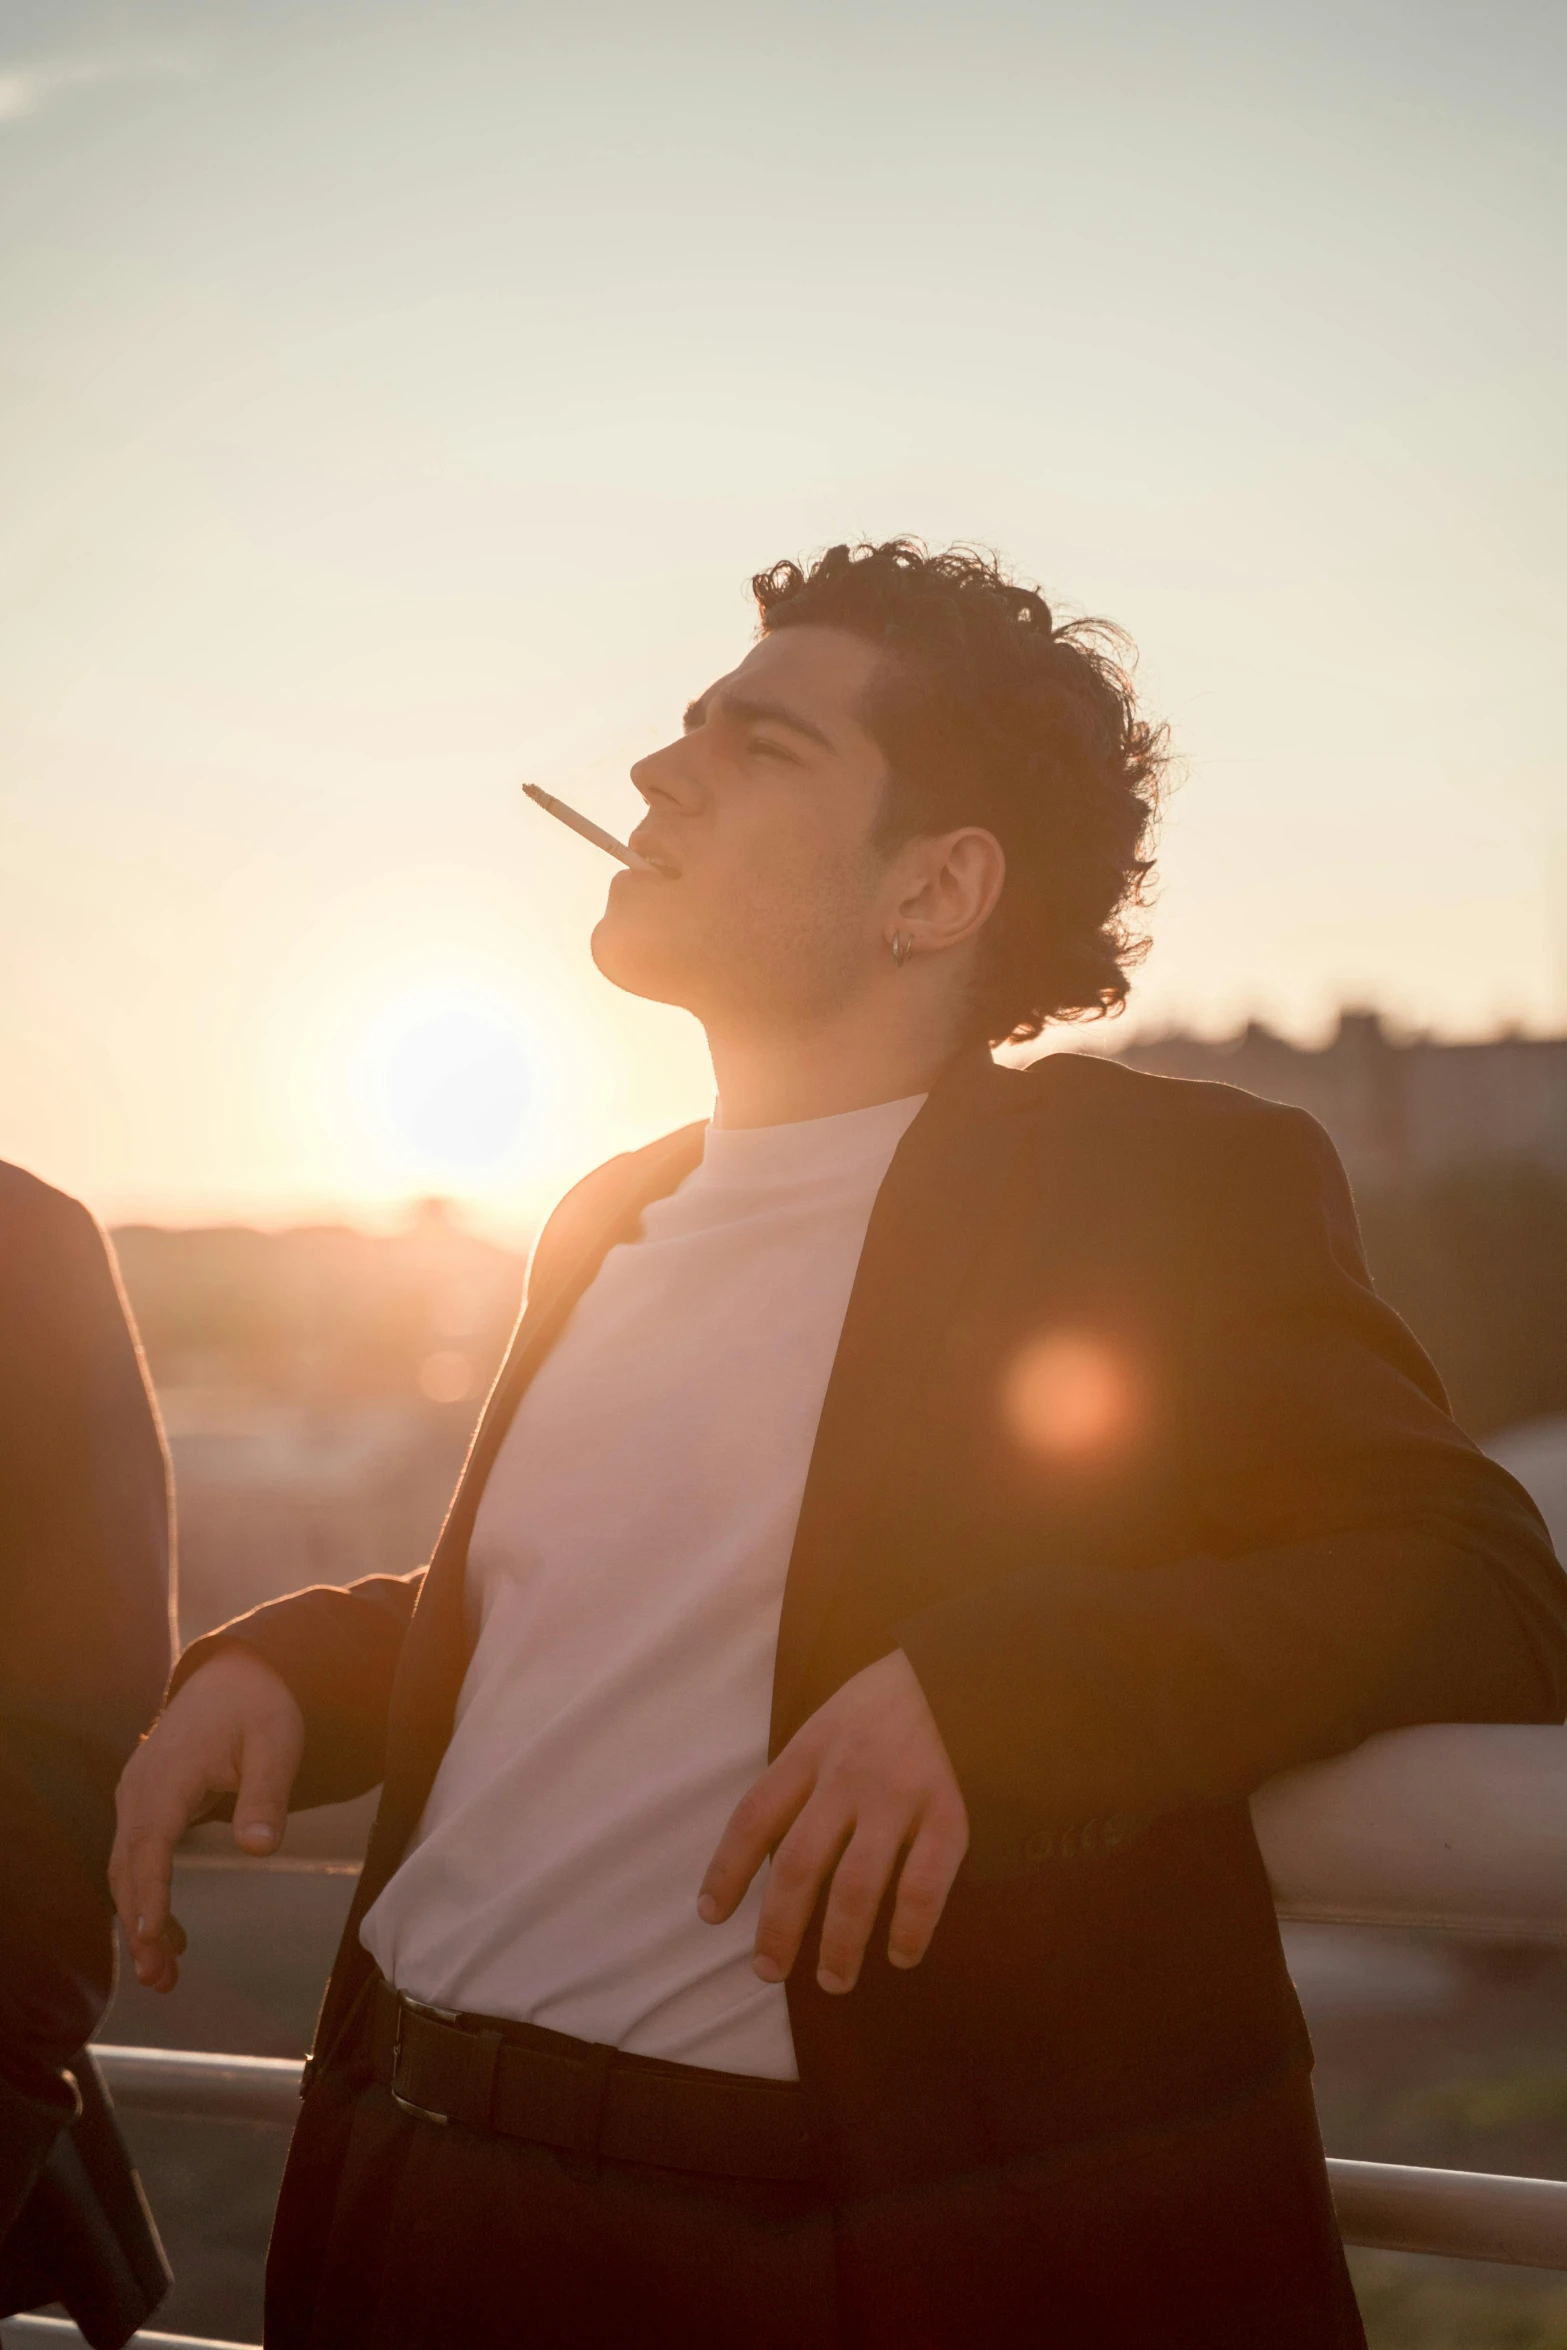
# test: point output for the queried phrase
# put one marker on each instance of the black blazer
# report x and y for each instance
(85, 1561)
(1277, 1544)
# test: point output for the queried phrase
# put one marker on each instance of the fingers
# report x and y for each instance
(157, 1965)
(267, 1769)
(934, 1859)
(755, 1825)
(154, 1814)
(141, 1888)
(234, 1726)
(865, 1780)
(801, 1865)
(859, 1887)
(859, 1882)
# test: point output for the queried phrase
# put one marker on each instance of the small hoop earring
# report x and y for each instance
(901, 947)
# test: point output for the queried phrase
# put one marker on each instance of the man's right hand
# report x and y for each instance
(235, 1728)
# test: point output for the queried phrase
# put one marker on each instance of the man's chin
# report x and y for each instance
(637, 966)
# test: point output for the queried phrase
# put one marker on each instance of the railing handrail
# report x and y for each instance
(1471, 2215)
(1393, 1917)
(60, 2334)
(1464, 1925)
(1394, 2206)
(189, 2084)
(1464, 2214)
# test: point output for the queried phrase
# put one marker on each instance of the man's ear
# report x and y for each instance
(955, 888)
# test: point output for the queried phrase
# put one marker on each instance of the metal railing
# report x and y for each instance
(1469, 2215)
(58, 2333)
(185, 2084)
(1393, 2207)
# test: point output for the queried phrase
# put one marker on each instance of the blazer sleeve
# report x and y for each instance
(1363, 1566)
(84, 1639)
(85, 1542)
(338, 1650)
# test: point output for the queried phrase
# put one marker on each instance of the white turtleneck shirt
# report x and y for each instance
(625, 1577)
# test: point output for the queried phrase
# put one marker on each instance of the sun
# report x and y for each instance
(440, 1084)
(460, 1075)
(451, 1083)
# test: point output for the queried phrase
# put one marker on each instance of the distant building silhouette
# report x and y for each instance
(318, 1388)
(1397, 1109)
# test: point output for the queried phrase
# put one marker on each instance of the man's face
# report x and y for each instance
(762, 815)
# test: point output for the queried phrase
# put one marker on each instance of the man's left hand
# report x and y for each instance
(862, 1792)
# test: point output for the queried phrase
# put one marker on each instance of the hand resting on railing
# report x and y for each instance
(234, 1729)
(1460, 1825)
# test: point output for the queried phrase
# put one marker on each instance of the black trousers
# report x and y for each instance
(407, 2235)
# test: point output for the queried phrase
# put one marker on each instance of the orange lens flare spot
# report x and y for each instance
(1068, 1396)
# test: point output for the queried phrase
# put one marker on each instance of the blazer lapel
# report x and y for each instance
(931, 1218)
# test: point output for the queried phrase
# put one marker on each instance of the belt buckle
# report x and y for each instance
(445, 2015)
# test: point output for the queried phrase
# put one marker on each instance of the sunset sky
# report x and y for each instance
(395, 398)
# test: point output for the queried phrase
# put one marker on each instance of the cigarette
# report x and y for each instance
(588, 830)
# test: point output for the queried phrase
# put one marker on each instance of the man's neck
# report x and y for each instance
(784, 1078)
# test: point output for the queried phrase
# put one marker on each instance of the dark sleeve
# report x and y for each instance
(338, 1650)
(1362, 1567)
(84, 1484)
(84, 1637)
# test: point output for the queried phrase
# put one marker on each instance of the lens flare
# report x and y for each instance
(1068, 1396)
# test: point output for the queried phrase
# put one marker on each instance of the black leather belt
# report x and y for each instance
(588, 2100)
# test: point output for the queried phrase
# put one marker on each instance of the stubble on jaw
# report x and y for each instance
(777, 961)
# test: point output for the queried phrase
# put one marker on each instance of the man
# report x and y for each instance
(1019, 1459)
(84, 1651)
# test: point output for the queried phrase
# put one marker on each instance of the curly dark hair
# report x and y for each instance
(991, 714)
